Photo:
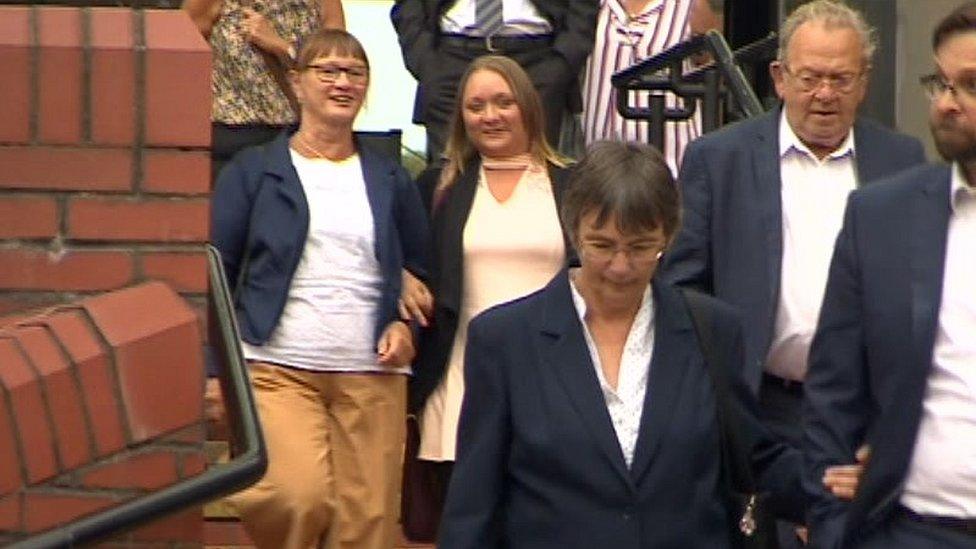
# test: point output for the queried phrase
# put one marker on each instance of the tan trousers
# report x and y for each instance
(335, 446)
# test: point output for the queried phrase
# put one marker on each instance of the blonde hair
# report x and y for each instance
(459, 150)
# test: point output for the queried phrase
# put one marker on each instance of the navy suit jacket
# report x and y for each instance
(259, 222)
(872, 352)
(731, 241)
(539, 465)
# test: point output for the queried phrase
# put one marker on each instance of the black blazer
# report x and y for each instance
(730, 244)
(539, 465)
(872, 353)
(417, 24)
(447, 272)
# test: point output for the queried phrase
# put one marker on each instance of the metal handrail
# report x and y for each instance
(665, 72)
(248, 452)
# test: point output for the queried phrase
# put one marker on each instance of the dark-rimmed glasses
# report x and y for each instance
(330, 73)
(935, 85)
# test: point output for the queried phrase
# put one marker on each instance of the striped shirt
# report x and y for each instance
(622, 41)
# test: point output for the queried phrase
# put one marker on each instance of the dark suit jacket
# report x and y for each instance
(447, 272)
(417, 24)
(731, 241)
(259, 222)
(539, 465)
(871, 356)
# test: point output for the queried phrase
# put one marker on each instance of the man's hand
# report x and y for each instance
(395, 347)
(213, 410)
(842, 480)
(416, 301)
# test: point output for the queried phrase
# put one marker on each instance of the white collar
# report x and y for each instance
(646, 306)
(788, 141)
(959, 189)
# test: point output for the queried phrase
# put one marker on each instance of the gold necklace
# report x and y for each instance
(309, 146)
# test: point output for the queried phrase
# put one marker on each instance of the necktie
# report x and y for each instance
(488, 16)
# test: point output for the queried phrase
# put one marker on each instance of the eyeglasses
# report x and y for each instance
(330, 73)
(935, 85)
(638, 254)
(809, 81)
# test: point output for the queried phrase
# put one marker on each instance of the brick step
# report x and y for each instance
(230, 534)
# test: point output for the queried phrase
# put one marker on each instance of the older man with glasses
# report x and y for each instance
(763, 200)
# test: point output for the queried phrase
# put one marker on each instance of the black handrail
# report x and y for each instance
(248, 453)
(665, 72)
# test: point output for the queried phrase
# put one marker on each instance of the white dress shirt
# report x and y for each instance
(814, 194)
(942, 475)
(626, 402)
(520, 16)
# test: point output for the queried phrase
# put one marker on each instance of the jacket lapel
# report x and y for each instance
(927, 231)
(558, 177)
(452, 216)
(279, 164)
(563, 348)
(929, 235)
(768, 192)
(869, 160)
(379, 192)
(673, 344)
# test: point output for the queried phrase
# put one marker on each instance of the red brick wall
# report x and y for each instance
(100, 402)
(104, 170)
(104, 183)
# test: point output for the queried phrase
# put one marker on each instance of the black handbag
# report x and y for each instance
(752, 529)
(420, 502)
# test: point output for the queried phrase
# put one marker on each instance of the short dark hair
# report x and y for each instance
(628, 181)
(960, 20)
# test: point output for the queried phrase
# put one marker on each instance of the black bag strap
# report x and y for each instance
(736, 450)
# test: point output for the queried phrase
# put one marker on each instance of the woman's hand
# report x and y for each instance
(842, 480)
(213, 410)
(259, 31)
(416, 301)
(395, 347)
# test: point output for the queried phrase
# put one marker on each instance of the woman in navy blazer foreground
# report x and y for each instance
(314, 230)
(590, 417)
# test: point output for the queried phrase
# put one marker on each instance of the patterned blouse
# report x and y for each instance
(244, 91)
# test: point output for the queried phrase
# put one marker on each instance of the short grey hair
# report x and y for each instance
(833, 14)
(628, 181)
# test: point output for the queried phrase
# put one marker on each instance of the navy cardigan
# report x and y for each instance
(260, 220)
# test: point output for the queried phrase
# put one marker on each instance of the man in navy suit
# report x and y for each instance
(763, 200)
(893, 362)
